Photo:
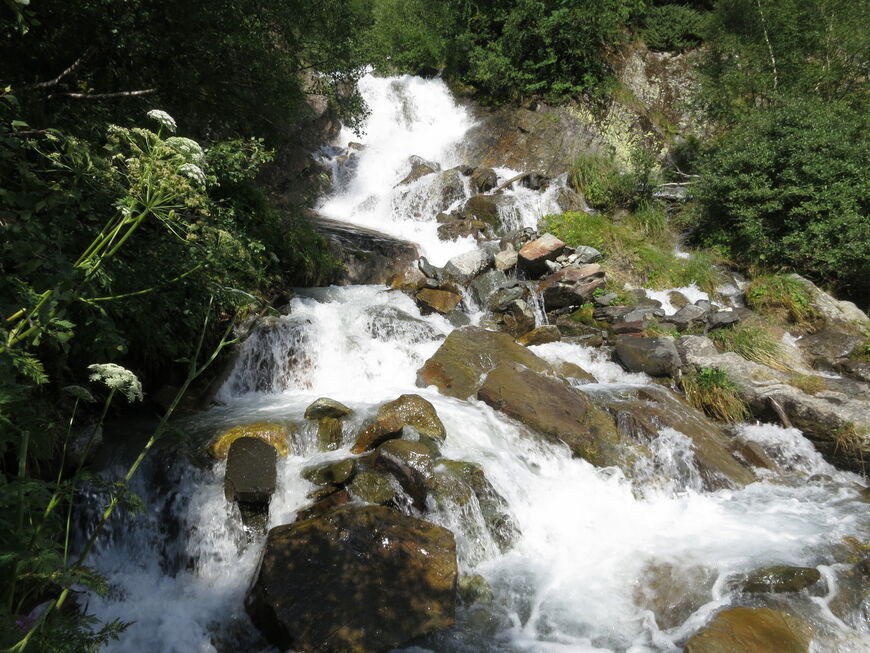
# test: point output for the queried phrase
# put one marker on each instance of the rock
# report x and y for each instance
(604, 300)
(687, 315)
(372, 487)
(611, 313)
(335, 473)
(628, 328)
(363, 579)
(484, 208)
(251, 473)
(451, 187)
(695, 346)
(454, 229)
(484, 179)
(419, 168)
(570, 200)
(722, 319)
(330, 502)
(673, 593)
(571, 286)
(540, 335)
(831, 343)
(586, 254)
(833, 311)
(533, 255)
(779, 578)
(643, 314)
(410, 463)
(326, 407)
(440, 301)
(407, 410)
(858, 370)
(467, 354)
(271, 433)
(519, 318)
(367, 256)
(506, 259)
(329, 434)
(501, 299)
(464, 267)
(486, 284)
(553, 409)
(457, 318)
(428, 269)
(752, 630)
(851, 603)
(654, 356)
(474, 589)
(409, 279)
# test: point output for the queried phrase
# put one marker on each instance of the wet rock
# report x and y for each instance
(459, 482)
(328, 503)
(451, 186)
(857, 370)
(722, 319)
(540, 336)
(440, 301)
(335, 473)
(501, 299)
(506, 259)
(419, 168)
(407, 410)
(673, 593)
(851, 603)
(274, 434)
(678, 299)
(469, 353)
(428, 269)
(484, 179)
(410, 463)
(486, 284)
(752, 630)
(363, 579)
(611, 313)
(251, 473)
(372, 487)
(329, 434)
(454, 229)
(326, 407)
(551, 408)
(519, 318)
(464, 267)
(484, 208)
(571, 286)
(533, 255)
(473, 588)
(779, 578)
(654, 356)
(409, 279)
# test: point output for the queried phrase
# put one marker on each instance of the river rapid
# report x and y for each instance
(595, 549)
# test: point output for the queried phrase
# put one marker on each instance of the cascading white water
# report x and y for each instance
(593, 547)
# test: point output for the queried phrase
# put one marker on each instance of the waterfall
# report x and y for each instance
(594, 545)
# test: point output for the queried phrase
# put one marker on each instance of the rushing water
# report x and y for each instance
(595, 549)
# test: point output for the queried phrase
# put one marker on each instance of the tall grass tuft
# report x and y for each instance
(754, 343)
(712, 391)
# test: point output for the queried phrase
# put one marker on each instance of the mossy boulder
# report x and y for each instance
(334, 473)
(752, 630)
(356, 580)
(277, 435)
(372, 487)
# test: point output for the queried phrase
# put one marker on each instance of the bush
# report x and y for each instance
(672, 27)
(788, 189)
(712, 391)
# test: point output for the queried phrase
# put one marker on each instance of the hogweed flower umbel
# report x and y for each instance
(117, 378)
(163, 119)
(193, 172)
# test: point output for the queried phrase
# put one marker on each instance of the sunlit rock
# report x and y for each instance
(277, 435)
(752, 630)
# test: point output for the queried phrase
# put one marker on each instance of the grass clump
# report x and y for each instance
(598, 177)
(808, 383)
(631, 256)
(782, 298)
(752, 342)
(712, 391)
(850, 441)
(585, 315)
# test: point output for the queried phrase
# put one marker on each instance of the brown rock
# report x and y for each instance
(752, 630)
(540, 336)
(329, 503)
(442, 301)
(409, 279)
(277, 435)
(408, 409)
(533, 255)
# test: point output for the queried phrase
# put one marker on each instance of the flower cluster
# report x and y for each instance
(163, 119)
(187, 148)
(193, 172)
(117, 378)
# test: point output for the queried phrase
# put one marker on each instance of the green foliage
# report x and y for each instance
(781, 297)
(788, 189)
(607, 186)
(672, 27)
(630, 255)
(753, 342)
(712, 391)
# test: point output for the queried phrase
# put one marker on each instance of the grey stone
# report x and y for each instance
(486, 284)
(501, 299)
(722, 319)
(506, 259)
(464, 267)
(586, 254)
(654, 356)
(688, 314)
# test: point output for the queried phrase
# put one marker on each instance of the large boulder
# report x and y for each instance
(272, 433)
(534, 255)
(326, 407)
(251, 472)
(654, 356)
(356, 580)
(484, 208)
(571, 286)
(552, 408)
(464, 267)
(393, 416)
(469, 353)
(752, 630)
(484, 179)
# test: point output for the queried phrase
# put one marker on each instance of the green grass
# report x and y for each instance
(632, 256)
(781, 298)
(753, 342)
(808, 383)
(712, 391)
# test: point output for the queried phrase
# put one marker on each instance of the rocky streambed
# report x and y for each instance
(492, 452)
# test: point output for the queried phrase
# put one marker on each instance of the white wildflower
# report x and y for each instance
(117, 378)
(194, 172)
(188, 148)
(163, 119)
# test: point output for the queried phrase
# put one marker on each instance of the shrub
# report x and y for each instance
(672, 27)
(781, 297)
(712, 391)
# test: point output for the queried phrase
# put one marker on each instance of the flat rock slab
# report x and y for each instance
(752, 630)
(251, 472)
(356, 580)
(441, 301)
(533, 255)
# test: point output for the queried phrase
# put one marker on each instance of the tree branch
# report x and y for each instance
(54, 82)
(101, 96)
